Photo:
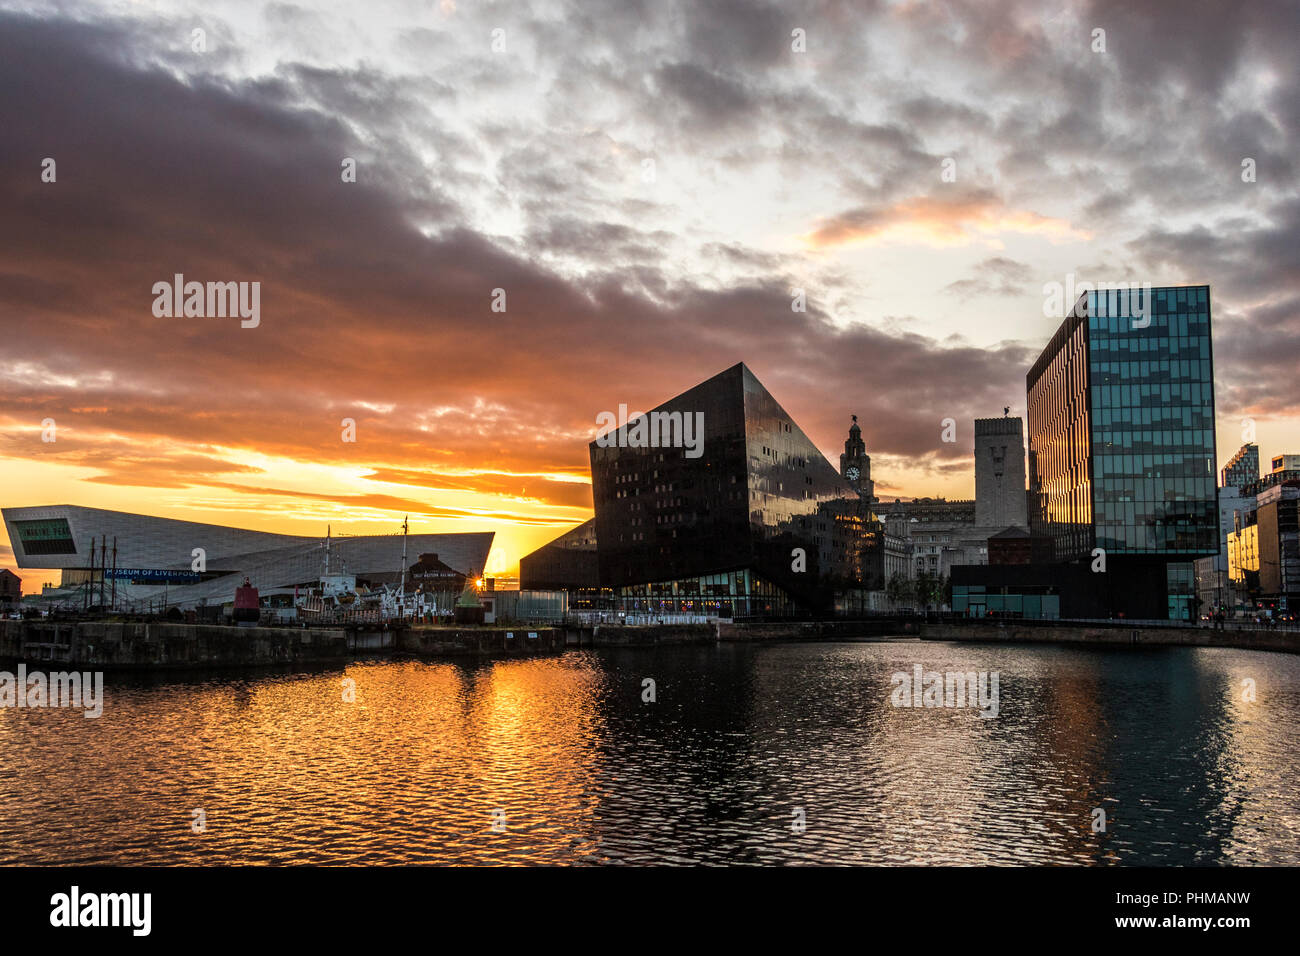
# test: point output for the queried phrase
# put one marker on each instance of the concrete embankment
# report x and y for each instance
(1028, 633)
(155, 645)
(479, 641)
(640, 635)
(643, 635)
(817, 630)
(105, 645)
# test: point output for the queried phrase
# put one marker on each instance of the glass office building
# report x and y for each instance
(1121, 437)
(754, 521)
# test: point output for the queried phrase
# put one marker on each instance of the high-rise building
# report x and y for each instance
(1000, 474)
(1243, 468)
(1121, 443)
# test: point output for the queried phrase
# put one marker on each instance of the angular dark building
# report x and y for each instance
(1122, 446)
(752, 520)
(567, 563)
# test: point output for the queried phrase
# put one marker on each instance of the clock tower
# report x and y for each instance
(855, 463)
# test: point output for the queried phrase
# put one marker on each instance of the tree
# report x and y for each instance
(927, 585)
(900, 590)
(933, 589)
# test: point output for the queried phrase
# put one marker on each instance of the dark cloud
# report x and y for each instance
(376, 294)
(158, 176)
(712, 100)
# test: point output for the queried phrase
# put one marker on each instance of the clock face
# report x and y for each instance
(852, 473)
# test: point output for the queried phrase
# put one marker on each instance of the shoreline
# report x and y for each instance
(1112, 636)
(162, 647)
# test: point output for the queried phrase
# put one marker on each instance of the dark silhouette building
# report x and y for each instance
(11, 588)
(566, 564)
(753, 521)
(855, 464)
(432, 572)
(1017, 546)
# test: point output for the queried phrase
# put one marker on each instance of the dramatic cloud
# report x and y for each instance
(647, 185)
(934, 220)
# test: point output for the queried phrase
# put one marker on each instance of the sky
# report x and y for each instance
(650, 184)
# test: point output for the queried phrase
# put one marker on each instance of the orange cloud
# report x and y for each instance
(937, 221)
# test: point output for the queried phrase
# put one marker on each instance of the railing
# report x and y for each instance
(608, 618)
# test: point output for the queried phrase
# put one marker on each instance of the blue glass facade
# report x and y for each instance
(1121, 435)
(1151, 395)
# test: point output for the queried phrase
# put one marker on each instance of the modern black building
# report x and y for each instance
(751, 520)
(1122, 449)
(567, 563)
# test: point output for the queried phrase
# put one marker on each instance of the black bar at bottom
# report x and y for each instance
(531, 906)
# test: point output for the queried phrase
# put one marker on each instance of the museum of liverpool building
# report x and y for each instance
(745, 517)
(156, 558)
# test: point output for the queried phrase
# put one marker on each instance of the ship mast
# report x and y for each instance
(402, 592)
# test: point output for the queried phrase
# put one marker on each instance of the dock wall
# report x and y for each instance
(155, 645)
(480, 641)
(816, 630)
(1028, 633)
(104, 645)
(641, 635)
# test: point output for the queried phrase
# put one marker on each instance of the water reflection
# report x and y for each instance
(413, 771)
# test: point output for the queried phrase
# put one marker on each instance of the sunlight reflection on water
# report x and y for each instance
(712, 772)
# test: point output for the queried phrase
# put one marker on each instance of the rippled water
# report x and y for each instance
(585, 772)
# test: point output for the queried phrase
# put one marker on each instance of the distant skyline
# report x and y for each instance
(648, 182)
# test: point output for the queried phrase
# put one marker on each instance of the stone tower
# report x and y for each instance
(1000, 473)
(855, 463)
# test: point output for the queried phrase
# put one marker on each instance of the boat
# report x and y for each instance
(333, 593)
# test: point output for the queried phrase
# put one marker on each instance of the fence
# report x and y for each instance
(633, 618)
